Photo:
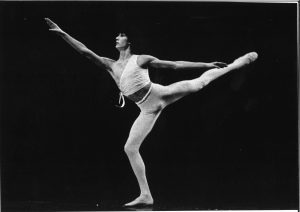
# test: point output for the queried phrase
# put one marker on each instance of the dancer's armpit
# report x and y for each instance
(98, 60)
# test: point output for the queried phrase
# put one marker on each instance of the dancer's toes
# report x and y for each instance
(252, 56)
(142, 200)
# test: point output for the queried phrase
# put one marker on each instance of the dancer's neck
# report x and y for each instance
(125, 54)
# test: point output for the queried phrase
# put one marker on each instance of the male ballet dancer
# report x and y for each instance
(130, 72)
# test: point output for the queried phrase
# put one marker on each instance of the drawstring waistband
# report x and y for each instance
(146, 95)
(138, 97)
(121, 99)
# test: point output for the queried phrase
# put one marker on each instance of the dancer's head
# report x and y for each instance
(122, 42)
(131, 38)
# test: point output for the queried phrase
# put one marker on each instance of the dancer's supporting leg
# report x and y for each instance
(140, 129)
(180, 89)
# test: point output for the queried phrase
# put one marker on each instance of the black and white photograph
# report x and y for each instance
(149, 105)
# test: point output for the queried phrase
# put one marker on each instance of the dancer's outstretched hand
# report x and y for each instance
(219, 64)
(54, 27)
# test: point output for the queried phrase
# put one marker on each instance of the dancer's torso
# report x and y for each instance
(132, 80)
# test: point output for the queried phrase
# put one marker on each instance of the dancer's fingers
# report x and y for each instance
(57, 31)
(50, 23)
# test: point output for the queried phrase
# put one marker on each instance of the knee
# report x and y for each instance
(190, 86)
(204, 81)
(131, 149)
(195, 86)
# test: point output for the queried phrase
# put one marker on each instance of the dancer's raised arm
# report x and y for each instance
(80, 47)
(179, 65)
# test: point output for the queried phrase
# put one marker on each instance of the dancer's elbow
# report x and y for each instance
(175, 66)
(84, 51)
(178, 65)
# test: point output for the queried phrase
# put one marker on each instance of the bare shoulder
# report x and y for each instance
(143, 60)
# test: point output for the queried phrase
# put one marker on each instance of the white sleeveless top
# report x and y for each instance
(133, 77)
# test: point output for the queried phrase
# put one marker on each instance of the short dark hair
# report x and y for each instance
(133, 28)
(136, 38)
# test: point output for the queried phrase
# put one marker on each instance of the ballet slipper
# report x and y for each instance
(142, 201)
(246, 59)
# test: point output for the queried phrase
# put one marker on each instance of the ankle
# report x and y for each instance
(146, 194)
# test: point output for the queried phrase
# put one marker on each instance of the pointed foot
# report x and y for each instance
(252, 56)
(245, 59)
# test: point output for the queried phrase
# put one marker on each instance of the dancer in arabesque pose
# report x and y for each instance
(130, 72)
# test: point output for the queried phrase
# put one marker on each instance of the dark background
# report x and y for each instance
(233, 145)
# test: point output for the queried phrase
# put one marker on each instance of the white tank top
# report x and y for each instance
(133, 77)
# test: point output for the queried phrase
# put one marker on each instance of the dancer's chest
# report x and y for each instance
(118, 68)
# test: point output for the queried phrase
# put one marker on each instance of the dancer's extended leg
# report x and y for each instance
(180, 89)
(140, 129)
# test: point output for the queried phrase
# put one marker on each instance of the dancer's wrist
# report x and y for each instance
(63, 34)
(211, 65)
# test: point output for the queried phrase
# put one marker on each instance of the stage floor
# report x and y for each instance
(49, 206)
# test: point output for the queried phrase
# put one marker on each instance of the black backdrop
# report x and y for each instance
(233, 145)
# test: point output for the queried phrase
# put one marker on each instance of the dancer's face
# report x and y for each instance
(122, 41)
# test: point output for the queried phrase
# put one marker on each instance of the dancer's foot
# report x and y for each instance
(245, 60)
(142, 200)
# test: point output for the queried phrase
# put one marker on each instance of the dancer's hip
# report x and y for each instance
(141, 95)
(154, 101)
